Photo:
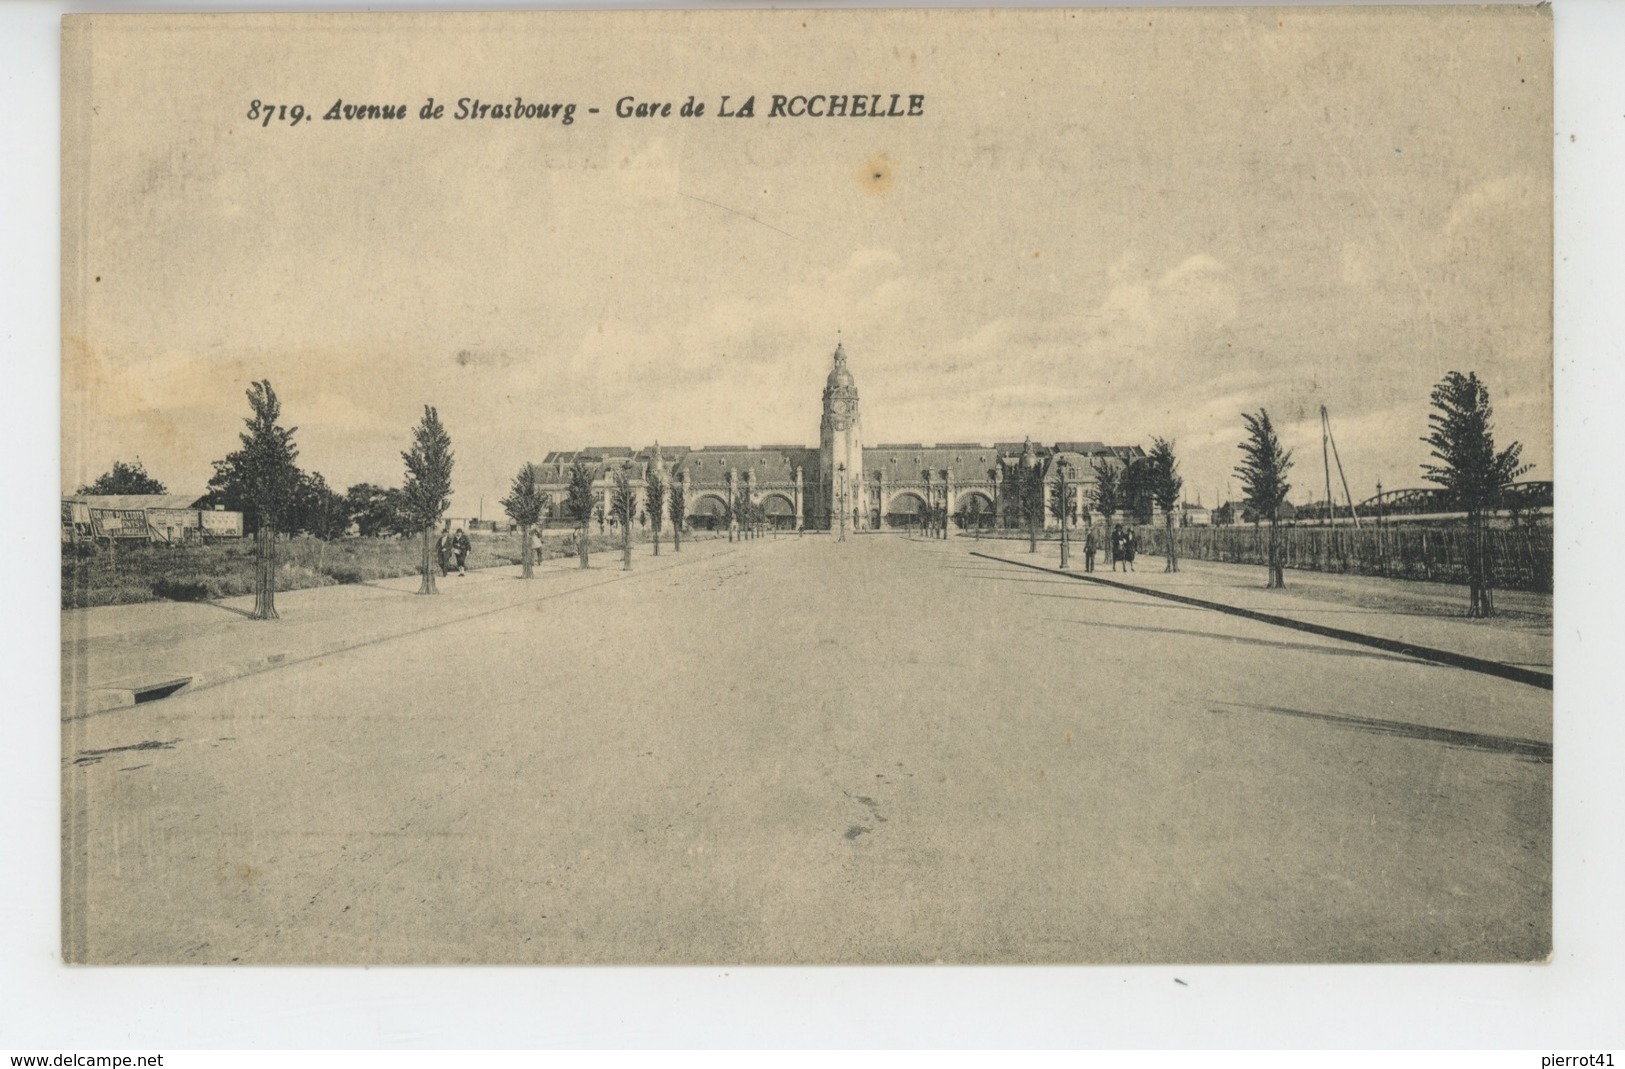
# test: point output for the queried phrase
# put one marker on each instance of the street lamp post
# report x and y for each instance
(840, 498)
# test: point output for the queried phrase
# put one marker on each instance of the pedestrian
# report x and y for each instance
(1089, 549)
(1130, 543)
(538, 552)
(443, 550)
(460, 546)
(1117, 546)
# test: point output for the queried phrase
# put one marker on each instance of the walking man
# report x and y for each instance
(443, 550)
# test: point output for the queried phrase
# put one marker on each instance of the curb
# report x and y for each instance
(1388, 645)
(126, 693)
(122, 694)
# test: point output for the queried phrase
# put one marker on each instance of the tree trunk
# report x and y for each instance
(1032, 535)
(427, 586)
(265, 573)
(626, 547)
(581, 545)
(526, 567)
(677, 536)
(1173, 555)
(1478, 587)
(656, 532)
(1277, 574)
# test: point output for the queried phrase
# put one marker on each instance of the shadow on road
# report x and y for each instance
(1085, 596)
(244, 613)
(1057, 581)
(1304, 647)
(1528, 749)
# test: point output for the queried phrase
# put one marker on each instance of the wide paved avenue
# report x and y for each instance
(804, 750)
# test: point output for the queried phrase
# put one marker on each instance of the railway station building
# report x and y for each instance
(802, 487)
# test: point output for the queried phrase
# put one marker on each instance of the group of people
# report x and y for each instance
(452, 549)
(1124, 545)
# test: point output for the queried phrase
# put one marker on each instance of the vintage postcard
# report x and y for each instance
(1054, 486)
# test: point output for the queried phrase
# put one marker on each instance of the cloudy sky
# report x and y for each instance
(1106, 225)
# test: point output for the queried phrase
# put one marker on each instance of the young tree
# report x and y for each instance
(972, 516)
(654, 496)
(1136, 489)
(1475, 477)
(1166, 485)
(1067, 508)
(677, 506)
(579, 505)
(1262, 472)
(124, 479)
(524, 505)
(261, 481)
(426, 493)
(1108, 499)
(1030, 497)
(623, 509)
(1063, 506)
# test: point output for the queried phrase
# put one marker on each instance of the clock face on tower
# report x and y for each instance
(843, 408)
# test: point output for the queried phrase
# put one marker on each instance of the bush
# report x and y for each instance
(180, 589)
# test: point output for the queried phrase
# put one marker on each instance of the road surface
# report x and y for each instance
(804, 750)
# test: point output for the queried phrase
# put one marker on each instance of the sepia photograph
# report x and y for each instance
(826, 487)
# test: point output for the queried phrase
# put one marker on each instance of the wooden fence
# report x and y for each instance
(1521, 558)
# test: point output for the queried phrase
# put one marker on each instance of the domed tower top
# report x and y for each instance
(839, 375)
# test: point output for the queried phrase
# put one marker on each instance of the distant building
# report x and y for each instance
(171, 518)
(802, 487)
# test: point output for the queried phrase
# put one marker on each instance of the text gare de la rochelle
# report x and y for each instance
(777, 106)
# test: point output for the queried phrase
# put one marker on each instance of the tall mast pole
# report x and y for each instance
(1326, 462)
(1340, 473)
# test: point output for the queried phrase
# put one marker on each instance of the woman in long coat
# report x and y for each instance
(460, 546)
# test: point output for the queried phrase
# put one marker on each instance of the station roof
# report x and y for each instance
(905, 463)
(768, 464)
(1088, 449)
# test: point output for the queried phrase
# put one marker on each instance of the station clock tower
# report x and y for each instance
(840, 443)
